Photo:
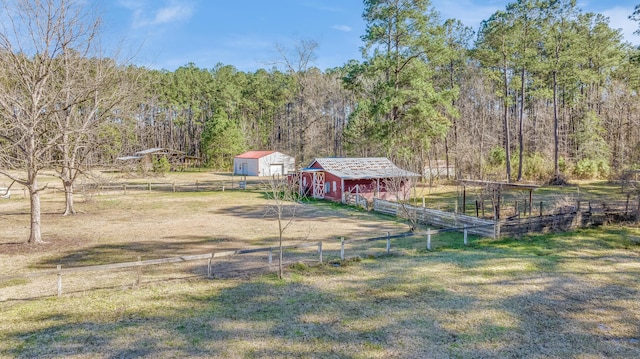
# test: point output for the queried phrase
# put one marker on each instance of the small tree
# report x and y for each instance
(403, 188)
(283, 194)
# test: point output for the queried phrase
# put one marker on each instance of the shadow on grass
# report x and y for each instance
(130, 251)
(492, 299)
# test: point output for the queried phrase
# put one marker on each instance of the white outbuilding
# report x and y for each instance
(263, 163)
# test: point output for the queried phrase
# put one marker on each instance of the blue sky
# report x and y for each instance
(166, 34)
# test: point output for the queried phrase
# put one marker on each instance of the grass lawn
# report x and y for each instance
(565, 295)
(555, 295)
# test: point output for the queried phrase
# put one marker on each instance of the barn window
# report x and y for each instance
(327, 187)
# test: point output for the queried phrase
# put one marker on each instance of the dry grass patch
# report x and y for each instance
(565, 295)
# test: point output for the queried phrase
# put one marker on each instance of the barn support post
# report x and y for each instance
(428, 239)
(464, 199)
(341, 248)
(59, 280)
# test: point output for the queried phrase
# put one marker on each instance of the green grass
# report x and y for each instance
(554, 295)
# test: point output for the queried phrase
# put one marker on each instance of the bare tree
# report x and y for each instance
(95, 90)
(283, 194)
(35, 38)
(401, 187)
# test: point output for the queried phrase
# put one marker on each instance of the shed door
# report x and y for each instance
(275, 170)
(318, 184)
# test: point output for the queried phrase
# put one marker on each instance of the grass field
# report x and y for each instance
(556, 295)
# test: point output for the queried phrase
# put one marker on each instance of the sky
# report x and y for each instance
(167, 34)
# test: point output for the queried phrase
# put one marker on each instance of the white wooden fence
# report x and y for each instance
(422, 239)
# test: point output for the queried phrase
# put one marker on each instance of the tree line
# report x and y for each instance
(541, 91)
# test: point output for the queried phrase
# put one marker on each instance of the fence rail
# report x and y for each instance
(447, 220)
(210, 257)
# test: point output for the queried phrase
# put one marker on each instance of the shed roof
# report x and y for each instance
(159, 151)
(254, 154)
(362, 168)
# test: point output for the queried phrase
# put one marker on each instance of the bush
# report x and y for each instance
(161, 165)
(497, 156)
(536, 167)
(590, 169)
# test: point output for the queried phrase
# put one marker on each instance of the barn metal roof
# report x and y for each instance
(362, 168)
(158, 151)
(254, 154)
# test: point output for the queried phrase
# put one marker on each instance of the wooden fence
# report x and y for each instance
(440, 219)
(198, 186)
(137, 266)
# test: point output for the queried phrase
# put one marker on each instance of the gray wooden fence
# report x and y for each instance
(423, 239)
(440, 219)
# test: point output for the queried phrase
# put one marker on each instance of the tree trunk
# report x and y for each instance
(68, 196)
(507, 141)
(35, 235)
(556, 140)
(521, 125)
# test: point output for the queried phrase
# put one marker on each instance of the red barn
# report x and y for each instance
(335, 178)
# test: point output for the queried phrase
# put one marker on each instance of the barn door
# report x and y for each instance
(318, 185)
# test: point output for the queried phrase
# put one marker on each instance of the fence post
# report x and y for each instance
(341, 248)
(197, 186)
(270, 256)
(139, 279)
(638, 211)
(320, 250)
(173, 187)
(465, 235)
(59, 280)
(428, 239)
(626, 208)
(149, 187)
(209, 268)
(540, 208)
(124, 188)
(389, 241)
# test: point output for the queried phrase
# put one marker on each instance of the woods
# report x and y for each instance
(542, 87)
(541, 92)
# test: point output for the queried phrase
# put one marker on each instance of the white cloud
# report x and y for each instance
(144, 15)
(344, 28)
(173, 13)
